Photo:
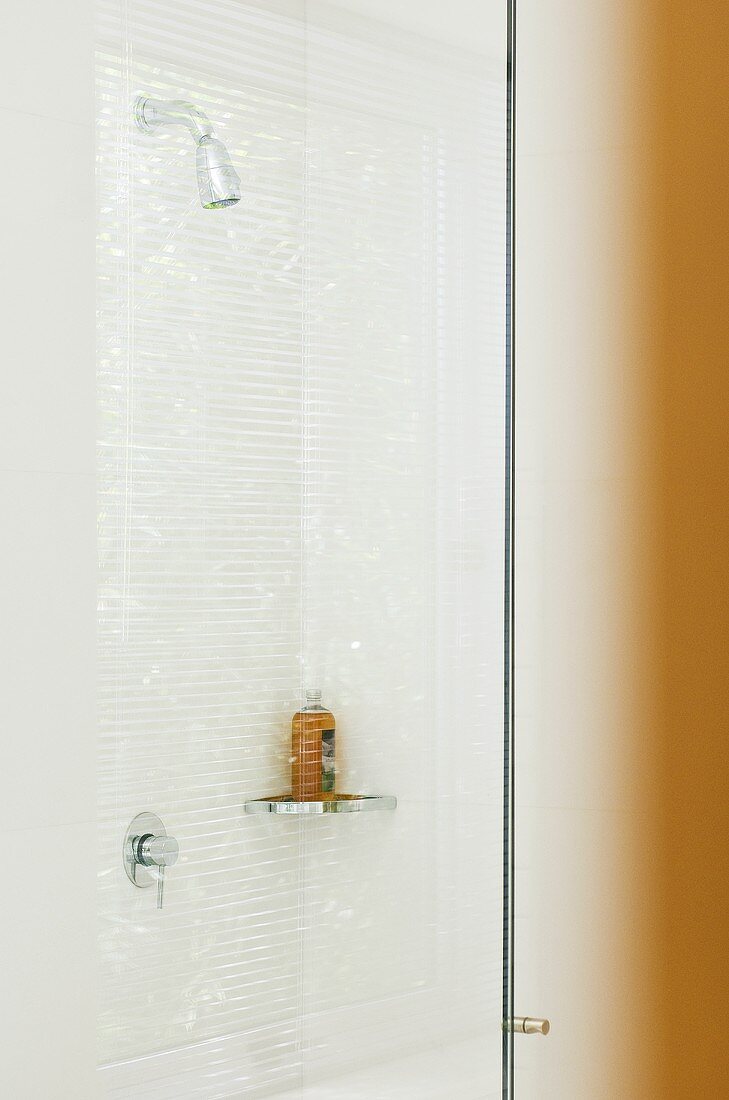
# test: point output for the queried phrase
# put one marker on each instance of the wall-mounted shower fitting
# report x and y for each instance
(217, 180)
(147, 851)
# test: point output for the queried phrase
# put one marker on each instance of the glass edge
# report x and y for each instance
(507, 1083)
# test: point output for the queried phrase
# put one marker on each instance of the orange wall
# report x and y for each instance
(623, 548)
(691, 251)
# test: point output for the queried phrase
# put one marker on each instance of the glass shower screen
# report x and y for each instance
(302, 486)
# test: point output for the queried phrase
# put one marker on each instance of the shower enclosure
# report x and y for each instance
(304, 392)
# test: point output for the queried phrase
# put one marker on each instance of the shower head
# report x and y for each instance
(217, 180)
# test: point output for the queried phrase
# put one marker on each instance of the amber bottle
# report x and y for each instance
(312, 750)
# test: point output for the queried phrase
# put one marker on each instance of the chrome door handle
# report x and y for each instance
(527, 1025)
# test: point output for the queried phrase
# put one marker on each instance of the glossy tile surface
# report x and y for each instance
(301, 484)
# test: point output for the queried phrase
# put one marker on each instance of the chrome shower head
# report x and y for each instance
(217, 180)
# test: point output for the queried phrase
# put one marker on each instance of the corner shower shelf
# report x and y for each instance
(327, 804)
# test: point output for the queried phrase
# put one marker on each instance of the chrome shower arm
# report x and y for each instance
(217, 180)
(150, 113)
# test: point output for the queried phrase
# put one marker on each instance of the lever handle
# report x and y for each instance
(160, 885)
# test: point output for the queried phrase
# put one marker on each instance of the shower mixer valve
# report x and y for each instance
(147, 851)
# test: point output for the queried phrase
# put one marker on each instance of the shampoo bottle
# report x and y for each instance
(312, 750)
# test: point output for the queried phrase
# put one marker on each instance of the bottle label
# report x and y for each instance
(327, 760)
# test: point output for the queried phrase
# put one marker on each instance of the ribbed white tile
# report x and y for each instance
(200, 550)
(301, 481)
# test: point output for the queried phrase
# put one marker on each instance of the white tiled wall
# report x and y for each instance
(403, 565)
(301, 482)
(200, 550)
(47, 579)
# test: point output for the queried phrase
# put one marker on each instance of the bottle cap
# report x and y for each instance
(313, 695)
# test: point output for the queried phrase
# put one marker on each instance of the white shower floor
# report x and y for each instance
(465, 1069)
(438, 1073)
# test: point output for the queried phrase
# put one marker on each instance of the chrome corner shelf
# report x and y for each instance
(328, 804)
